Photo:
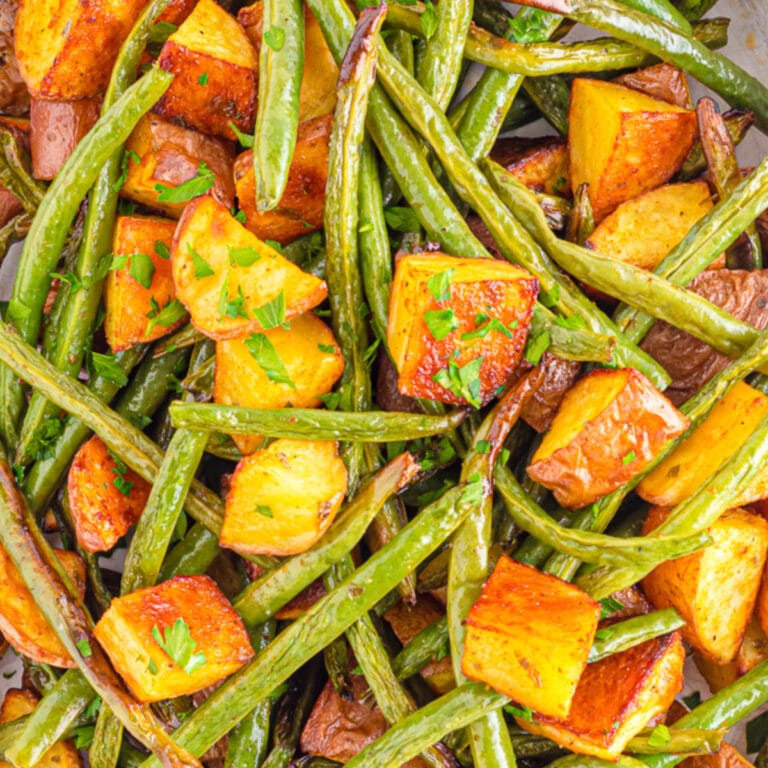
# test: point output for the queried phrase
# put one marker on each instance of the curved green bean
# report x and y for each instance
(423, 648)
(634, 631)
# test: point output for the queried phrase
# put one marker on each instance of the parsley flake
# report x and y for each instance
(199, 184)
(179, 645)
(462, 381)
(247, 141)
(85, 648)
(441, 322)
(106, 366)
(629, 458)
(200, 267)
(429, 21)
(491, 324)
(536, 346)
(203, 79)
(268, 360)
(272, 314)
(169, 315)
(659, 736)
(142, 269)
(161, 249)
(231, 307)
(524, 713)
(275, 38)
(440, 285)
(265, 510)
(243, 257)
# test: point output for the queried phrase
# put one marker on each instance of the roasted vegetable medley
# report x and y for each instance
(343, 422)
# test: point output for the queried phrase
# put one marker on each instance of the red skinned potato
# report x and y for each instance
(661, 81)
(56, 128)
(610, 426)
(66, 48)
(14, 96)
(692, 363)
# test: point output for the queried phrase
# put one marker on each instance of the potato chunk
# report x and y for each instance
(174, 638)
(106, 498)
(539, 163)
(215, 73)
(166, 155)
(300, 210)
(21, 621)
(140, 290)
(529, 635)
(623, 142)
(616, 698)
(66, 48)
(231, 282)
(642, 231)
(725, 429)
(661, 81)
(610, 426)
(697, 586)
(282, 367)
(457, 326)
(283, 498)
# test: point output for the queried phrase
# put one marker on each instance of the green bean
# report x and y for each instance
(193, 554)
(265, 596)
(439, 68)
(423, 648)
(634, 631)
(81, 299)
(336, 660)
(664, 11)
(688, 741)
(585, 545)
(324, 621)
(186, 336)
(551, 95)
(11, 731)
(16, 229)
(107, 740)
(311, 423)
(55, 597)
(277, 118)
(572, 343)
(14, 175)
(51, 719)
(582, 221)
(695, 9)
(43, 244)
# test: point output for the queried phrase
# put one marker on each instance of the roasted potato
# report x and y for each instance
(754, 647)
(725, 757)
(622, 142)
(318, 82)
(529, 635)
(174, 638)
(14, 96)
(138, 291)
(66, 48)
(300, 210)
(160, 153)
(692, 363)
(22, 623)
(250, 376)
(284, 497)
(541, 164)
(697, 586)
(661, 81)
(457, 326)
(215, 70)
(610, 426)
(616, 698)
(232, 283)
(725, 429)
(106, 498)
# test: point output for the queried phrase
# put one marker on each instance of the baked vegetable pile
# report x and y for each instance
(336, 427)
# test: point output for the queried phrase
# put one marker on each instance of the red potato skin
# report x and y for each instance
(56, 128)
(661, 81)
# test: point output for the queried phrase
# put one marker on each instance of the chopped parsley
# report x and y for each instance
(179, 645)
(199, 184)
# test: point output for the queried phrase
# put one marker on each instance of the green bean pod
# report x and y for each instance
(281, 66)
(14, 175)
(634, 631)
(682, 741)
(336, 661)
(662, 10)
(193, 554)
(423, 648)
(16, 229)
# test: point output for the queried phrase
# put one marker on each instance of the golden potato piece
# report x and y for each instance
(529, 635)
(623, 143)
(66, 48)
(301, 208)
(174, 638)
(291, 366)
(697, 586)
(21, 621)
(457, 326)
(282, 498)
(643, 230)
(231, 282)
(610, 426)
(616, 698)
(718, 676)
(725, 429)
(215, 73)
(661, 81)
(754, 647)
(166, 155)
(725, 757)
(141, 290)
(106, 498)
(539, 163)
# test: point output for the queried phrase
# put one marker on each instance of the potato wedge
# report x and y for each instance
(697, 586)
(529, 635)
(725, 757)
(661, 81)
(106, 498)
(139, 291)
(725, 429)
(21, 621)
(754, 647)
(306, 364)
(282, 498)
(55, 129)
(160, 153)
(318, 82)
(177, 611)
(623, 143)
(66, 48)
(300, 210)
(610, 426)
(20, 702)
(539, 163)
(457, 326)
(643, 230)
(231, 282)
(215, 70)
(718, 676)
(616, 698)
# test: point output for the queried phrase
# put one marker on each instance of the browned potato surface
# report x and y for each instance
(661, 81)
(539, 163)
(14, 96)
(725, 757)
(610, 426)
